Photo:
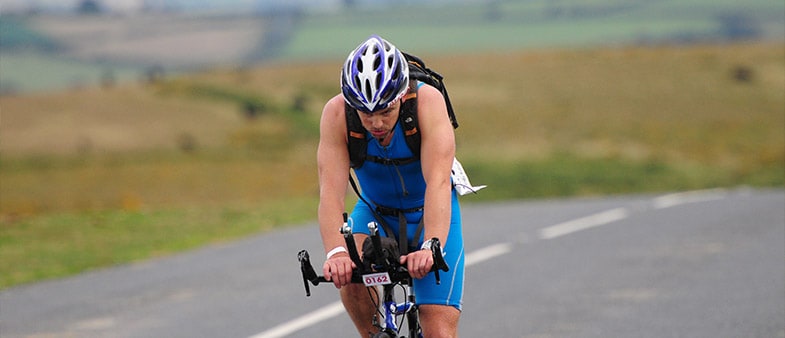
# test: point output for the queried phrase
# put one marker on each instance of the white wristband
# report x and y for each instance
(336, 250)
(427, 245)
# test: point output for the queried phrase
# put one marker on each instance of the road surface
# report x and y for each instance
(692, 264)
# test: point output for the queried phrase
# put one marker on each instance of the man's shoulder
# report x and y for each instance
(335, 107)
(432, 103)
(428, 92)
(334, 116)
(336, 102)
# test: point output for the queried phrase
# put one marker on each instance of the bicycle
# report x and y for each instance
(381, 267)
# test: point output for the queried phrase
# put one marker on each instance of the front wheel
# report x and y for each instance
(382, 335)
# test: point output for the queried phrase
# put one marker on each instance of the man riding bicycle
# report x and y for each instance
(408, 192)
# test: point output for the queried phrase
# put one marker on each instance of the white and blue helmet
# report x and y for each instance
(374, 75)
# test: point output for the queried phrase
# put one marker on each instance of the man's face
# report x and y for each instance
(380, 123)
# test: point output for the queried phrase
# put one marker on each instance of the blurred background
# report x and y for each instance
(132, 129)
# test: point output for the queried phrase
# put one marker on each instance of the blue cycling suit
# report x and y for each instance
(402, 187)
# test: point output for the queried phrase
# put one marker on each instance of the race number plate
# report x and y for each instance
(381, 278)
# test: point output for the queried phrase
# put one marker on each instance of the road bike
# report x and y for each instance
(380, 267)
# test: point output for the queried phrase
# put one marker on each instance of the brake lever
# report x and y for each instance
(306, 268)
(309, 275)
(438, 259)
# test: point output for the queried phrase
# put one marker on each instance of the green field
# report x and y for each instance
(26, 72)
(511, 25)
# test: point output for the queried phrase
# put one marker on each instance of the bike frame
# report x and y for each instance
(393, 309)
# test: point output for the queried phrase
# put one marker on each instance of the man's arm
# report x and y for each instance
(437, 154)
(333, 162)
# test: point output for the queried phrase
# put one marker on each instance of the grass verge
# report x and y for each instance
(61, 244)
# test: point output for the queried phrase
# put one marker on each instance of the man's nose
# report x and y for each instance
(377, 122)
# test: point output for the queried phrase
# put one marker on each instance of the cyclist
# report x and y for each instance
(374, 84)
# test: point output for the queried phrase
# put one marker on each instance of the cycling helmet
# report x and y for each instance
(374, 75)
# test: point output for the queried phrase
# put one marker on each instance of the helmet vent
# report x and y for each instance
(367, 91)
(357, 83)
(396, 72)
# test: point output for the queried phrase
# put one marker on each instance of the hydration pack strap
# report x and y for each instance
(403, 233)
(378, 211)
(390, 161)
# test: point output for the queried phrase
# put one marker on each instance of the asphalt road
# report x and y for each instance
(697, 264)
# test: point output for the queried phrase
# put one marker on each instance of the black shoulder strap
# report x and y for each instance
(418, 71)
(408, 121)
(356, 138)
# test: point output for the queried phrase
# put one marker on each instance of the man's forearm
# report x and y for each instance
(330, 222)
(437, 211)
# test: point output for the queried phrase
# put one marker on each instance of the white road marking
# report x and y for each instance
(304, 321)
(679, 198)
(583, 223)
(95, 324)
(487, 253)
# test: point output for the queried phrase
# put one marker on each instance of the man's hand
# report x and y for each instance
(419, 263)
(338, 269)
